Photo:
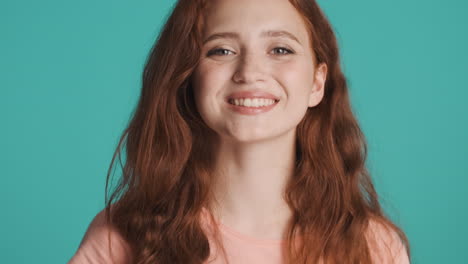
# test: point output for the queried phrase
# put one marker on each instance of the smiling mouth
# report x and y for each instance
(253, 102)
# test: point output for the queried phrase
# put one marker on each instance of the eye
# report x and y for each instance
(223, 52)
(220, 52)
(283, 51)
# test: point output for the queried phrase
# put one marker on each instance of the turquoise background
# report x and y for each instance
(70, 76)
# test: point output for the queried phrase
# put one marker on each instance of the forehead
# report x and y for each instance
(252, 17)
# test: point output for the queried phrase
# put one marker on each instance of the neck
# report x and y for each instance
(250, 183)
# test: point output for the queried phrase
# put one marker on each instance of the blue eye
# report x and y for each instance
(285, 50)
(217, 52)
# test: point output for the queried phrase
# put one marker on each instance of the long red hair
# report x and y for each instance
(168, 162)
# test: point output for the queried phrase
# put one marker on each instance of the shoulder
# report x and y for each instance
(101, 243)
(385, 245)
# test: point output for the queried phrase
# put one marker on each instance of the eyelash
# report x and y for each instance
(213, 52)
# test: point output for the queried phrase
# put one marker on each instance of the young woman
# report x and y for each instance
(243, 148)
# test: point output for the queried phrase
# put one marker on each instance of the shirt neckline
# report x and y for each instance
(244, 237)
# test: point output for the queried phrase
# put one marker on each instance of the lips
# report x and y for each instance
(251, 94)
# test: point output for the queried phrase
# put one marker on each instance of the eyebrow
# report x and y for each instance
(267, 33)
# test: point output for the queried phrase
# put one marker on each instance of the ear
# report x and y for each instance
(318, 86)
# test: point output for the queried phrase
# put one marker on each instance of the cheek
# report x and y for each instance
(209, 82)
(296, 77)
(210, 79)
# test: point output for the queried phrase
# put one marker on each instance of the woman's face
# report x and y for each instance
(256, 46)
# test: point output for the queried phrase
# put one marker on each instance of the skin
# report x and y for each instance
(256, 153)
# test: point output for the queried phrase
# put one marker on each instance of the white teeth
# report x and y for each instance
(252, 102)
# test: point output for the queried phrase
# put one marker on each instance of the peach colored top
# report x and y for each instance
(240, 248)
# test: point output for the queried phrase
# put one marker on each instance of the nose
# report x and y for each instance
(249, 69)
